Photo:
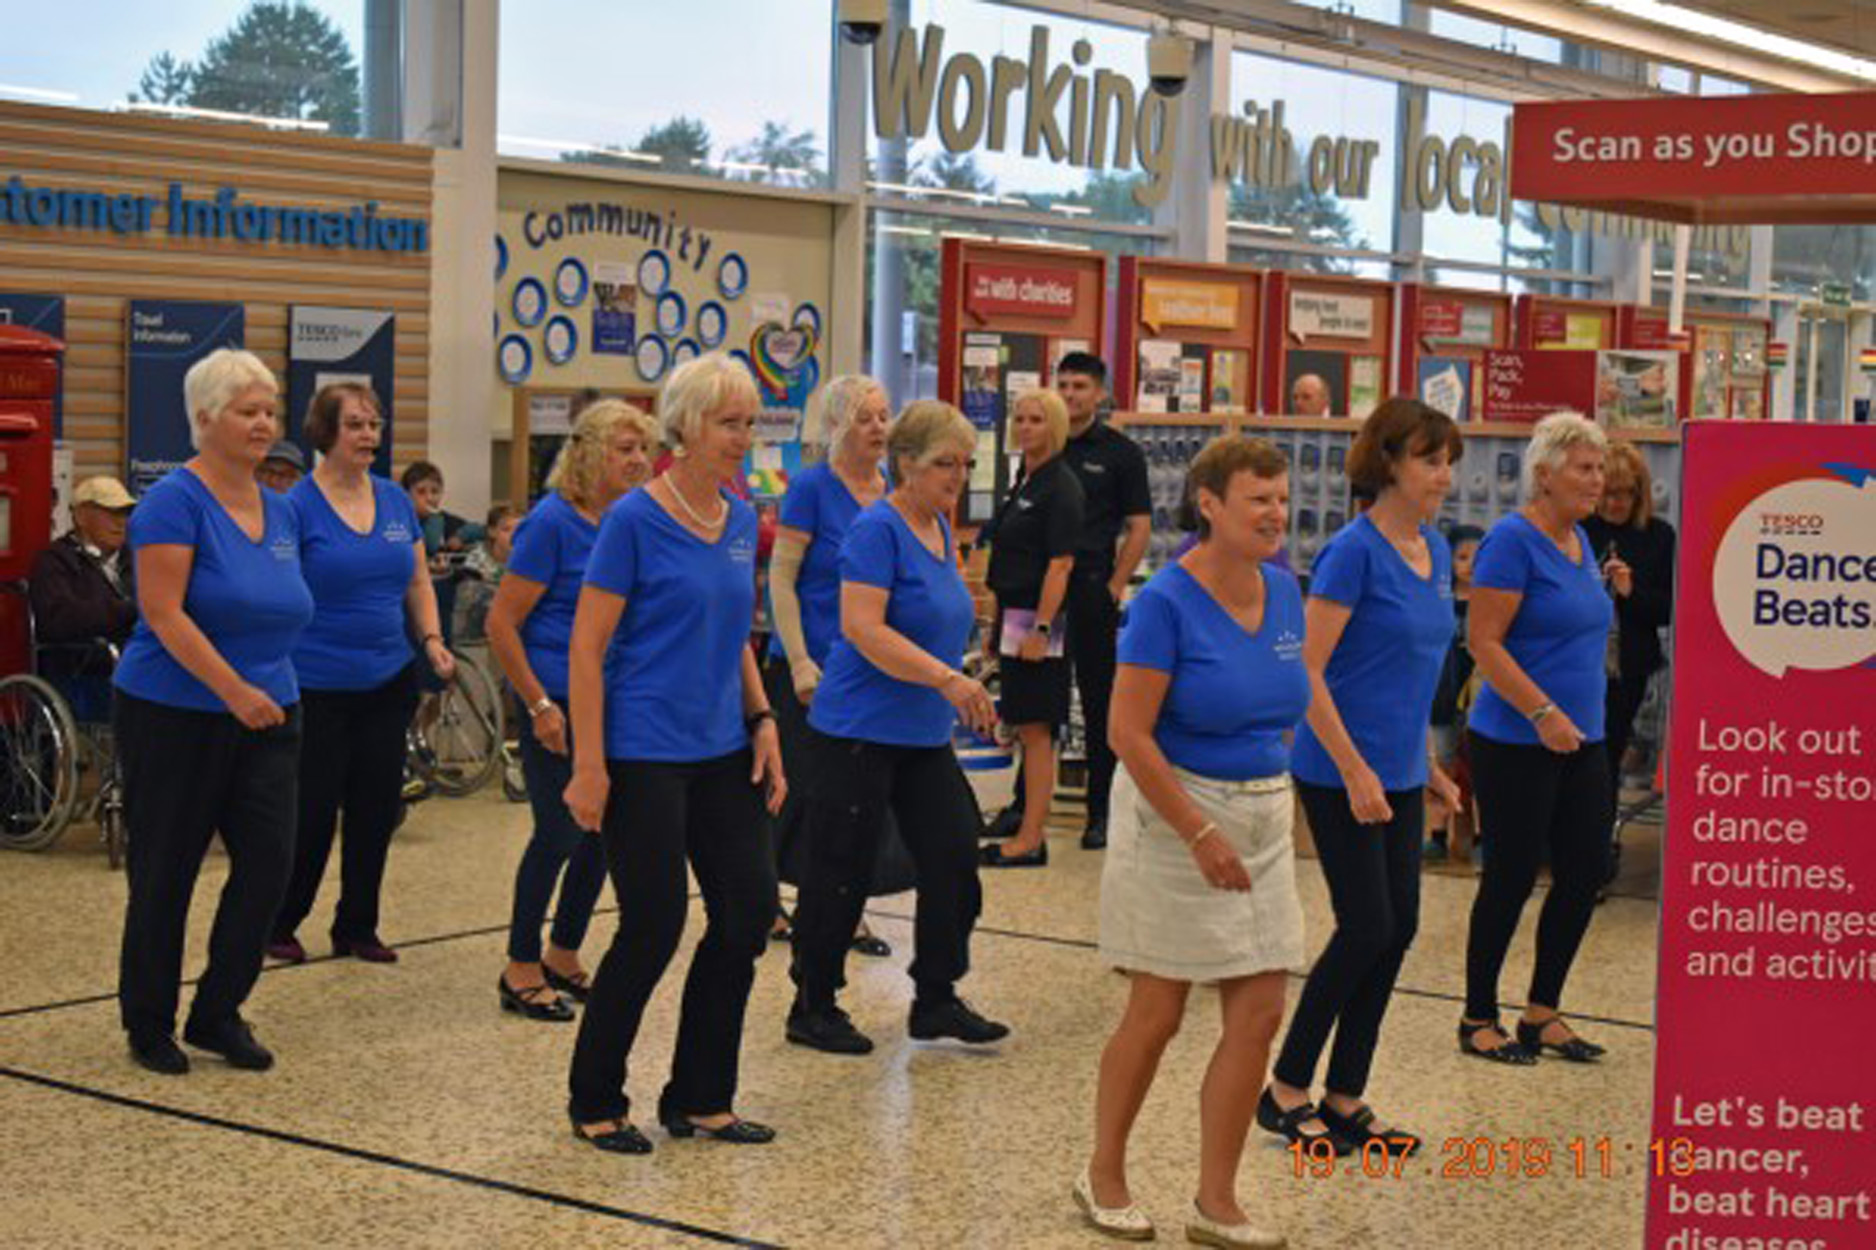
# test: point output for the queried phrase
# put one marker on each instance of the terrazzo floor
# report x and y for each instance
(406, 1110)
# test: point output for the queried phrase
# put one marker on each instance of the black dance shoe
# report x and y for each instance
(623, 1140)
(1289, 1124)
(159, 1053)
(576, 987)
(1358, 1130)
(1575, 1049)
(1512, 1053)
(953, 1017)
(994, 856)
(828, 1029)
(233, 1040)
(536, 1002)
(738, 1132)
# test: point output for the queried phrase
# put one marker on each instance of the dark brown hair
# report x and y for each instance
(1401, 427)
(322, 415)
(421, 471)
(1223, 459)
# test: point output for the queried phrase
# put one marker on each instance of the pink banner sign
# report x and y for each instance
(1766, 1014)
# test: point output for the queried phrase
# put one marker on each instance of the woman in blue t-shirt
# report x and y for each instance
(804, 594)
(530, 625)
(1380, 617)
(361, 550)
(1199, 884)
(883, 718)
(208, 716)
(1539, 630)
(674, 749)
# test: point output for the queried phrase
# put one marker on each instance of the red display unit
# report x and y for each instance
(29, 382)
(1340, 331)
(1187, 339)
(1007, 313)
(1445, 333)
(1724, 373)
(1554, 323)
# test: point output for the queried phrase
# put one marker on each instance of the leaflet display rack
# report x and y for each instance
(1445, 333)
(1340, 330)
(1188, 338)
(1555, 323)
(1724, 373)
(1007, 313)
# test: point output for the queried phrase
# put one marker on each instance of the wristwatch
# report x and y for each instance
(1043, 628)
(756, 718)
(1538, 713)
(540, 707)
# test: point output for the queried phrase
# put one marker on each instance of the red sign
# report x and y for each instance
(1020, 290)
(1528, 385)
(1442, 319)
(1768, 872)
(1752, 158)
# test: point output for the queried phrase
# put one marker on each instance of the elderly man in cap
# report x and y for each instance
(82, 591)
(282, 468)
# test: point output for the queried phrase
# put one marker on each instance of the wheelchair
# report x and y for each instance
(457, 738)
(56, 765)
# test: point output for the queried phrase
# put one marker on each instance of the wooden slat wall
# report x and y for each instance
(98, 271)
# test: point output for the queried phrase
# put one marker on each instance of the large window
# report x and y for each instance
(721, 88)
(283, 62)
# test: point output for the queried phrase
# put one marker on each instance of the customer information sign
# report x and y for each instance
(1764, 1082)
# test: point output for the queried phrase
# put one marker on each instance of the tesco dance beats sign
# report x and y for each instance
(1765, 1091)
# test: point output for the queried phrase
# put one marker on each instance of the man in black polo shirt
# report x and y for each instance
(1117, 522)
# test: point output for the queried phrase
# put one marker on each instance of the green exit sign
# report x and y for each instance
(1836, 294)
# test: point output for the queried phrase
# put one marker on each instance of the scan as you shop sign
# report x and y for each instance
(1764, 1081)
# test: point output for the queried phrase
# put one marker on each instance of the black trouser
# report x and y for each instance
(791, 725)
(352, 762)
(1093, 637)
(659, 817)
(1373, 873)
(1625, 695)
(1532, 799)
(188, 775)
(857, 783)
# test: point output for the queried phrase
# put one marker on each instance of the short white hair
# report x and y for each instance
(832, 408)
(699, 387)
(1552, 441)
(214, 381)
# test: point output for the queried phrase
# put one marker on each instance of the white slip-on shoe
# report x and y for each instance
(1128, 1223)
(1202, 1230)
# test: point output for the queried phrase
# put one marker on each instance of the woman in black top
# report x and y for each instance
(1636, 551)
(1032, 550)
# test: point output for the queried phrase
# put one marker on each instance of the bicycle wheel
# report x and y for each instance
(460, 748)
(38, 764)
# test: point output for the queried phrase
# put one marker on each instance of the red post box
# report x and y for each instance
(29, 381)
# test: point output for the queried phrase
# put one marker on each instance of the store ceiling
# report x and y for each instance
(1848, 25)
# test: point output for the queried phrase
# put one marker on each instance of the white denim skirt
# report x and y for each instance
(1158, 913)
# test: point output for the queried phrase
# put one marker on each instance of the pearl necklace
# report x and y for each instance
(723, 506)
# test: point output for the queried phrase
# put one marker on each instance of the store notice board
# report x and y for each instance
(1553, 323)
(1187, 337)
(1445, 333)
(1006, 313)
(1338, 331)
(1724, 374)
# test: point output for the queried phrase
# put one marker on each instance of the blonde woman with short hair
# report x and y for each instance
(1539, 628)
(1033, 538)
(530, 625)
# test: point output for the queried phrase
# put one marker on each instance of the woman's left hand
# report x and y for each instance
(1443, 789)
(766, 744)
(442, 663)
(1034, 647)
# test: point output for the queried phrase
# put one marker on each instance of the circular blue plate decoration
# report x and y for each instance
(501, 257)
(515, 359)
(570, 282)
(686, 349)
(809, 315)
(654, 272)
(712, 323)
(530, 302)
(733, 276)
(653, 357)
(672, 314)
(560, 340)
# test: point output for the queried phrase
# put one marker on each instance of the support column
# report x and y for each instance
(846, 157)
(1199, 206)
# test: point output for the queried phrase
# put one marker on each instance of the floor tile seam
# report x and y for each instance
(383, 1159)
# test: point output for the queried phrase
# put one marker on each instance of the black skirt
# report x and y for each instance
(1034, 692)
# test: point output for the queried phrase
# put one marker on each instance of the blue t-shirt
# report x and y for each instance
(247, 596)
(551, 548)
(674, 690)
(1233, 694)
(1386, 666)
(357, 639)
(927, 601)
(818, 504)
(1559, 636)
